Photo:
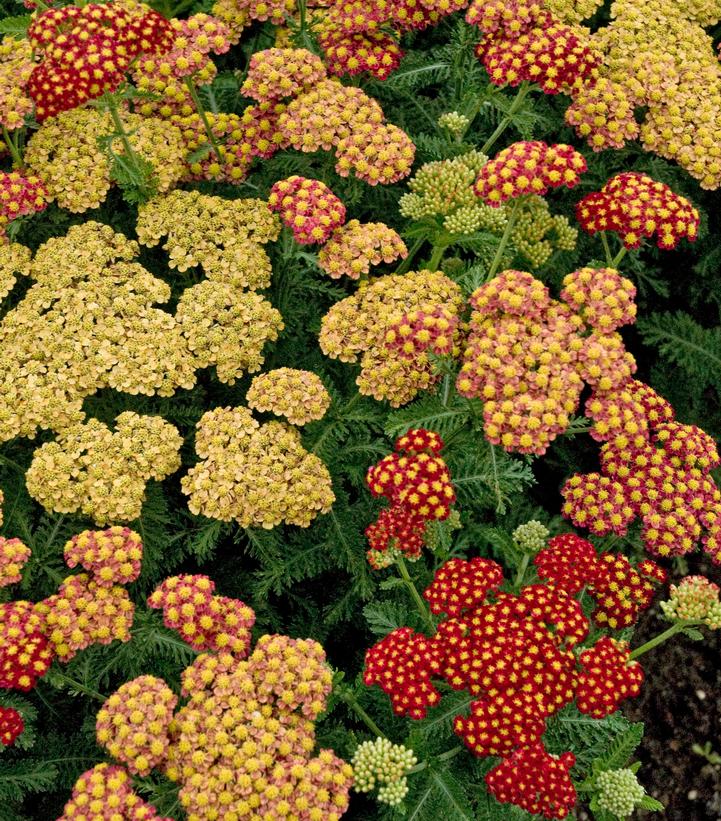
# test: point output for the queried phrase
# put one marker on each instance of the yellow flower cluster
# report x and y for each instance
(14, 258)
(133, 723)
(659, 53)
(64, 153)
(242, 746)
(356, 328)
(235, 17)
(113, 555)
(102, 473)
(300, 396)
(573, 11)
(16, 65)
(356, 246)
(219, 235)
(257, 475)
(87, 290)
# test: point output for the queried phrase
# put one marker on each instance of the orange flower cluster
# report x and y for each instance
(417, 483)
(87, 50)
(105, 793)
(357, 326)
(133, 723)
(355, 247)
(635, 207)
(13, 555)
(113, 556)
(528, 168)
(204, 620)
(308, 207)
(20, 195)
(527, 355)
(523, 40)
(652, 468)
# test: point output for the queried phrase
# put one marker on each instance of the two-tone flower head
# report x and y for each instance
(636, 207)
(530, 167)
(694, 598)
(20, 195)
(278, 73)
(11, 726)
(608, 677)
(356, 247)
(25, 652)
(13, 556)
(374, 52)
(113, 555)
(308, 207)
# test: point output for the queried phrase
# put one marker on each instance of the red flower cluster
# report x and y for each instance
(308, 207)
(635, 207)
(525, 41)
(25, 653)
(536, 781)
(433, 329)
(514, 654)
(86, 51)
(20, 196)
(204, 621)
(651, 468)
(620, 591)
(374, 51)
(608, 678)
(417, 483)
(11, 725)
(530, 167)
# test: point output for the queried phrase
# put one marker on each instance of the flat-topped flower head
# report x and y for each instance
(105, 793)
(608, 678)
(113, 555)
(637, 207)
(20, 195)
(308, 207)
(528, 168)
(355, 247)
(460, 585)
(376, 53)
(13, 556)
(277, 73)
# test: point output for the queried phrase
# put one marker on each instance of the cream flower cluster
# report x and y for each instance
(298, 395)
(356, 327)
(258, 475)
(102, 473)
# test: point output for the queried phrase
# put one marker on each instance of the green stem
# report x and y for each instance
(607, 249)
(348, 697)
(521, 571)
(12, 148)
(200, 108)
(131, 156)
(62, 678)
(406, 263)
(436, 257)
(678, 627)
(504, 241)
(415, 595)
(523, 90)
(442, 757)
(619, 256)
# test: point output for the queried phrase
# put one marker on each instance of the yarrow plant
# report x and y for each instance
(359, 380)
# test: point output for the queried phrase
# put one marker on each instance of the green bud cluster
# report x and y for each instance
(386, 764)
(440, 188)
(432, 536)
(694, 598)
(537, 233)
(531, 536)
(454, 122)
(619, 792)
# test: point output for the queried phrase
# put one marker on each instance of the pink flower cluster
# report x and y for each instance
(354, 248)
(308, 207)
(13, 555)
(19, 197)
(277, 73)
(430, 330)
(113, 555)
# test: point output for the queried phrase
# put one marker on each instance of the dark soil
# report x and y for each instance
(680, 704)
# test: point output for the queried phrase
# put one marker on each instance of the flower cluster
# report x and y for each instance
(133, 723)
(603, 114)
(330, 115)
(417, 483)
(87, 50)
(356, 327)
(386, 764)
(527, 355)
(694, 598)
(375, 52)
(277, 73)
(103, 473)
(83, 612)
(64, 153)
(20, 196)
(635, 207)
(531, 536)
(16, 66)
(11, 726)
(300, 396)
(113, 556)
(13, 555)
(355, 247)
(204, 620)
(652, 468)
(433, 329)
(257, 475)
(105, 793)
(619, 792)
(25, 653)
(308, 207)
(528, 168)
(525, 41)
(514, 654)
